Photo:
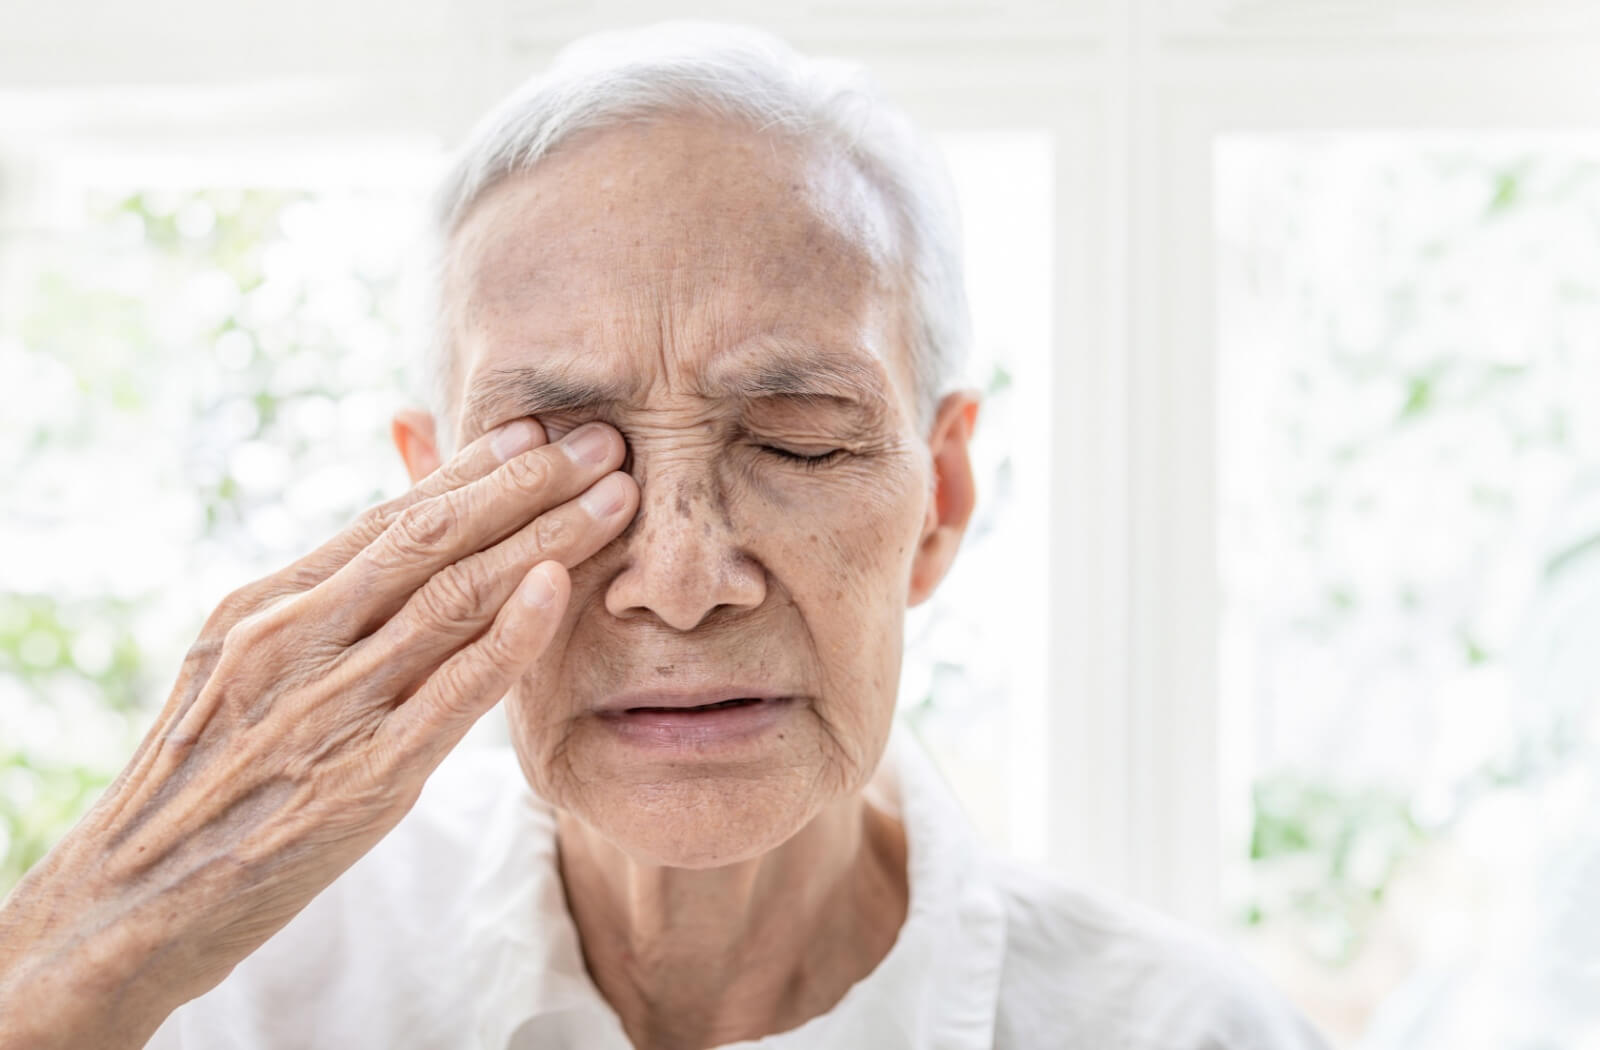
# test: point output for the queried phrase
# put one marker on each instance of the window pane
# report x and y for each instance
(1410, 369)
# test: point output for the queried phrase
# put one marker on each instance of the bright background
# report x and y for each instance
(1282, 613)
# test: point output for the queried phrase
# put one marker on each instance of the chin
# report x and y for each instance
(696, 807)
(700, 822)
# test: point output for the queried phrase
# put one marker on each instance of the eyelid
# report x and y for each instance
(810, 461)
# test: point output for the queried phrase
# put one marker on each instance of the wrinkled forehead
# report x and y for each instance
(684, 256)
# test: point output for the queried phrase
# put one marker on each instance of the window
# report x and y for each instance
(1410, 550)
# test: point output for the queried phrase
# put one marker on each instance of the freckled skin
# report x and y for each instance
(739, 565)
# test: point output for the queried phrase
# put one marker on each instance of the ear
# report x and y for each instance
(413, 433)
(953, 497)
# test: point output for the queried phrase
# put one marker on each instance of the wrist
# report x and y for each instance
(75, 983)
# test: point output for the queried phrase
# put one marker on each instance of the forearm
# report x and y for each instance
(74, 975)
(72, 1004)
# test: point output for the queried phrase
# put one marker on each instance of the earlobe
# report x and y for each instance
(412, 430)
(954, 493)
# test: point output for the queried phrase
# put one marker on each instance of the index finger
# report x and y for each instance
(476, 460)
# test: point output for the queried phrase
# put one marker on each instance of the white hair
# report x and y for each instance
(744, 75)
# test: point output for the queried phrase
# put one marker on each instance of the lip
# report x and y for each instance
(685, 724)
(684, 700)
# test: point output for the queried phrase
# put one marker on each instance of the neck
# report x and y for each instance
(691, 958)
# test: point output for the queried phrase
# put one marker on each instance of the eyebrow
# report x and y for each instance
(807, 375)
(536, 391)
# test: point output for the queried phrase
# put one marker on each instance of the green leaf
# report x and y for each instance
(1507, 187)
(1419, 396)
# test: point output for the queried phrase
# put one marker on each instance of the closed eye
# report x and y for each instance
(808, 460)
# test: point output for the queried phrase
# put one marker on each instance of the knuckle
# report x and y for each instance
(237, 607)
(456, 686)
(498, 652)
(247, 635)
(459, 472)
(457, 594)
(222, 632)
(374, 520)
(265, 626)
(422, 528)
(527, 473)
(238, 604)
(364, 795)
(551, 532)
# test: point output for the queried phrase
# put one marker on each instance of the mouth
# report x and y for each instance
(719, 705)
(713, 698)
(695, 722)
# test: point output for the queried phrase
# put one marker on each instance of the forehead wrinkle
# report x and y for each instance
(764, 369)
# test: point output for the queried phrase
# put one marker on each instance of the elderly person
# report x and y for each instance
(701, 300)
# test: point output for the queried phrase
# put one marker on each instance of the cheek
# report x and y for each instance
(854, 530)
(841, 548)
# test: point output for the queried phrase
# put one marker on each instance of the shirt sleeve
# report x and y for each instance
(1085, 971)
(1229, 1006)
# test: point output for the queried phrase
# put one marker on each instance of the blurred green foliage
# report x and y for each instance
(39, 800)
(1429, 500)
(1334, 851)
(215, 368)
(42, 789)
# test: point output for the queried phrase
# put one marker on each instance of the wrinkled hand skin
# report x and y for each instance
(303, 723)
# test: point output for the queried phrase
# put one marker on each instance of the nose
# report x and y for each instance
(683, 559)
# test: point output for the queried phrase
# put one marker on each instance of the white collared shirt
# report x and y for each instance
(453, 934)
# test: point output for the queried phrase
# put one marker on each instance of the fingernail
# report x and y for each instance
(537, 590)
(512, 439)
(588, 444)
(605, 497)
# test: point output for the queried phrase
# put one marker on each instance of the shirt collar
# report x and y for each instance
(937, 987)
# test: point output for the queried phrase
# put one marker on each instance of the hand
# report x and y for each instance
(303, 724)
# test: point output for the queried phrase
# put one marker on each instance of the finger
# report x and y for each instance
(472, 681)
(459, 601)
(477, 460)
(441, 530)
